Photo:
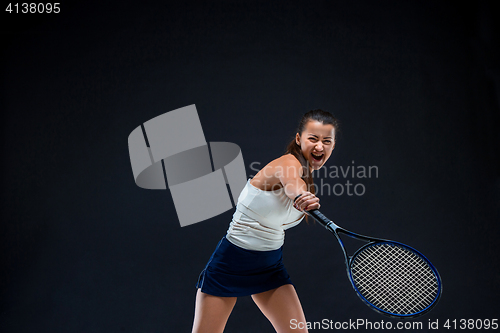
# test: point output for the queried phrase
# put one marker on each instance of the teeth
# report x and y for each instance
(317, 157)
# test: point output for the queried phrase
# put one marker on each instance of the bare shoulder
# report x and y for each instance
(289, 164)
(288, 160)
(269, 176)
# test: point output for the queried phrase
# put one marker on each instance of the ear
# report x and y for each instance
(297, 139)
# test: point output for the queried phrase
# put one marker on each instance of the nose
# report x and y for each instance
(318, 147)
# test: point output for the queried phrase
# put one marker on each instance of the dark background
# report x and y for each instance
(415, 84)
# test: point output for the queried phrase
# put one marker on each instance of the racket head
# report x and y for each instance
(394, 279)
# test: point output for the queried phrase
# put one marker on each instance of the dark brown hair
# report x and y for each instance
(293, 148)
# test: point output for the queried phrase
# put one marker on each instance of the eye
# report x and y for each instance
(313, 139)
(327, 141)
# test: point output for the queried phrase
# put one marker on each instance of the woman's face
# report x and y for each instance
(316, 142)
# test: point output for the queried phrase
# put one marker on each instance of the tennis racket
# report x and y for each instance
(391, 278)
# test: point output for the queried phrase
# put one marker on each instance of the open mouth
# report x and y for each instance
(317, 157)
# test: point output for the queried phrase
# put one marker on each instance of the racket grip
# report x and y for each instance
(318, 216)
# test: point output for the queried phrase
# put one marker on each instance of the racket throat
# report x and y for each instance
(342, 246)
(347, 256)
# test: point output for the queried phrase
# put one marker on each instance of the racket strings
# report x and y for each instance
(394, 279)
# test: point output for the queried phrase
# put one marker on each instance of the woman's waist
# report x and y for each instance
(232, 258)
(254, 236)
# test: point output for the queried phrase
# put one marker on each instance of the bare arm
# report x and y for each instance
(289, 173)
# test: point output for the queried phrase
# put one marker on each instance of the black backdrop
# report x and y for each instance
(415, 85)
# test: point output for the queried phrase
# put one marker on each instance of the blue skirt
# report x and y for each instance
(234, 272)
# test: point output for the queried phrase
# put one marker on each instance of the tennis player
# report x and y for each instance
(248, 260)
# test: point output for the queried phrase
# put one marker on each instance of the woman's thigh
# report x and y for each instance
(282, 307)
(211, 312)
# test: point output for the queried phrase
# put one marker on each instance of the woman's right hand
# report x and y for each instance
(306, 201)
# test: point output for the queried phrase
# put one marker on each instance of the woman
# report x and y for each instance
(248, 260)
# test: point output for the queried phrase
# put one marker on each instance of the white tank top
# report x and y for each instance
(261, 218)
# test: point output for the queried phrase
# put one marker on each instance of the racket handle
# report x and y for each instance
(318, 216)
